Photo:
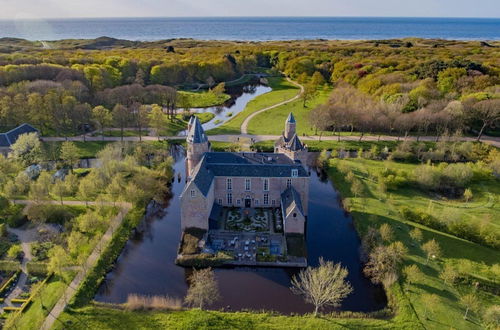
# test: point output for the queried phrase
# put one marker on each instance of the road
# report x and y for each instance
(494, 141)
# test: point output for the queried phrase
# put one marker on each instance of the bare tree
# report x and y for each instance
(488, 112)
(322, 286)
(203, 289)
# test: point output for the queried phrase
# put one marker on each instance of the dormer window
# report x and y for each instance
(295, 173)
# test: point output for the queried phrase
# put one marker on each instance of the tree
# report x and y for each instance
(308, 93)
(58, 260)
(413, 274)
(382, 264)
(14, 251)
(115, 188)
(449, 274)
(121, 118)
(157, 119)
(468, 195)
(141, 117)
(430, 302)
(492, 316)
(386, 232)
(470, 302)
(219, 89)
(357, 188)
(203, 288)
(102, 117)
(432, 249)
(87, 189)
(416, 235)
(317, 79)
(488, 112)
(69, 154)
(322, 286)
(27, 149)
(59, 189)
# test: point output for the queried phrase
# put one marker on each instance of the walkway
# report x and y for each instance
(244, 125)
(494, 141)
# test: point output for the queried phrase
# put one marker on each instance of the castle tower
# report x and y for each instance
(197, 144)
(290, 144)
(290, 127)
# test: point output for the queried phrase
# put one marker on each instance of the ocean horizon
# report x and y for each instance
(253, 28)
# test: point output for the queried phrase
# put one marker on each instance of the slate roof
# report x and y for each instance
(294, 144)
(9, 138)
(243, 165)
(289, 199)
(196, 134)
(291, 118)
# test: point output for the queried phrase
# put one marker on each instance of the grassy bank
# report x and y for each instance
(282, 90)
(95, 317)
(204, 99)
(272, 122)
(375, 209)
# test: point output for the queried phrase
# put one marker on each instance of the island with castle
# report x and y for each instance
(244, 208)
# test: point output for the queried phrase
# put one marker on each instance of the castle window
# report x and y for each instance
(193, 193)
(266, 184)
(288, 183)
(295, 215)
(273, 202)
(266, 199)
(220, 201)
(229, 184)
(247, 185)
(295, 173)
(230, 198)
(238, 201)
(256, 201)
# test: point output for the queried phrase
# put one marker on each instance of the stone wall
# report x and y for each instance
(195, 211)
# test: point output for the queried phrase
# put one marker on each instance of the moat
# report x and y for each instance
(147, 264)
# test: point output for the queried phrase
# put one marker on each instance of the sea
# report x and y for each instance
(254, 28)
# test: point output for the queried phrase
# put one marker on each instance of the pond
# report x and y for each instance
(146, 265)
(240, 96)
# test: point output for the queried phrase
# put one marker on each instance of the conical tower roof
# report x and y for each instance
(294, 144)
(196, 134)
(291, 118)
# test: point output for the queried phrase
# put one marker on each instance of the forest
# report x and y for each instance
(397, 86)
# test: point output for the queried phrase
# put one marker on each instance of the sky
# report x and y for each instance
(15, 9)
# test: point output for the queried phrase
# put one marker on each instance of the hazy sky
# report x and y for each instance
(166, 8)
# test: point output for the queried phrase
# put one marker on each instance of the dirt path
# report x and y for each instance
(244, 125)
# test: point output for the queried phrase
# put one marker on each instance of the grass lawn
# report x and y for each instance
(97, 317)
(374, 210)
(282, 90)
(272, 122)
(87, 149)
(204, 99)
(117, 133)
(178, 124)
(317, 146)
(33, 316)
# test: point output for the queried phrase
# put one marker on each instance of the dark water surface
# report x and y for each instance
(147, 267)
(254, 28)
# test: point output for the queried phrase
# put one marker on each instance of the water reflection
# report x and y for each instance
(147, 267)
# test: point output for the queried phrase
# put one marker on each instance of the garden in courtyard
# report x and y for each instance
(249, 220)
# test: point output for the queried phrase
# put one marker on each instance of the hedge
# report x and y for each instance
(37, 267)
(7, 284)
(10, 265)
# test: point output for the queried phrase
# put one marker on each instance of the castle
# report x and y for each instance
(245, 180)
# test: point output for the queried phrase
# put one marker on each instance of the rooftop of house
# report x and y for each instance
(291, 198)
(9, 138)
(245, 164)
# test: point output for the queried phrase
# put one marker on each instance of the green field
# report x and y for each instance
(282, 90)
(272, 122)
(204, 99)
(373, 210)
